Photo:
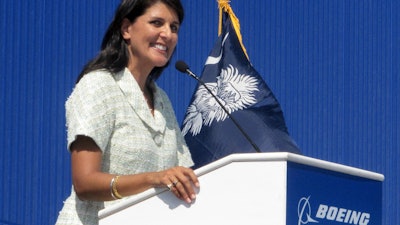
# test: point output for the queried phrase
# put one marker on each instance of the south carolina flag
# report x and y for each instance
(209, 131)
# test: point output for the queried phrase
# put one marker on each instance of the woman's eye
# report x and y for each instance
(156, 22)
(159, 23)
(174, 28)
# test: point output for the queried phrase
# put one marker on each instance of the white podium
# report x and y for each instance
(262, 188)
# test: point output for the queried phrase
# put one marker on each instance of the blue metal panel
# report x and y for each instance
(333, 65)
(43, 46)
(317, 189)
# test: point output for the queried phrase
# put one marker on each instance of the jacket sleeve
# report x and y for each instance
(89, 110)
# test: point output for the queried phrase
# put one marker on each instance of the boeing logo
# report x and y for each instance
(304, 211)
(342, 215)
(331, 213)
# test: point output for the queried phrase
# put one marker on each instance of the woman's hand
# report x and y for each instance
(181, 181)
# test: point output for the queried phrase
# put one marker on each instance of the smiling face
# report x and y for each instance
(152, 37)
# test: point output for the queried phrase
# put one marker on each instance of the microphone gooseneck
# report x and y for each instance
(184, 68)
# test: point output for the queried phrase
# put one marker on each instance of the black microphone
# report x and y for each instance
(184, 68)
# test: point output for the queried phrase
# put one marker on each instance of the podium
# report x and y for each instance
(262, 188)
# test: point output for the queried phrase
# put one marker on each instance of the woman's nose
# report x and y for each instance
(166, 32)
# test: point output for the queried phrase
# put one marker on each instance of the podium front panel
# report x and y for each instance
(327, 197)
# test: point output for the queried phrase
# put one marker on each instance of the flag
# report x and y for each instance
(209, 131)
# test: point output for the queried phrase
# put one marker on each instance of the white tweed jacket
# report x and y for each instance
(112, 110)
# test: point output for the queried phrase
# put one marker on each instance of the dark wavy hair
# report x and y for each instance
(114, 55)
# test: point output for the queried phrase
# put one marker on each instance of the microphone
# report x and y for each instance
(181, 66)
(184, 68)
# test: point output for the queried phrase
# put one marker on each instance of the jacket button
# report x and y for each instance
(158, 139)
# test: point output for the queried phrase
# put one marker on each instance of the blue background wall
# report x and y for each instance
(333, 65)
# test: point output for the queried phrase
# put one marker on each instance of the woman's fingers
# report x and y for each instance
(181, 182)
(184, 191)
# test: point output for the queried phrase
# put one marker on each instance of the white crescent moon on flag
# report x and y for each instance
(215, 60)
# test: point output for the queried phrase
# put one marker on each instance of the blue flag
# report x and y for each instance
(209, 131)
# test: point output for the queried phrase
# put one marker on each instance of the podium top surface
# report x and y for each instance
(250, 157)
(290, 157)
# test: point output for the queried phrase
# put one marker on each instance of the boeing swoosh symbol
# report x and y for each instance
(304, 209)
